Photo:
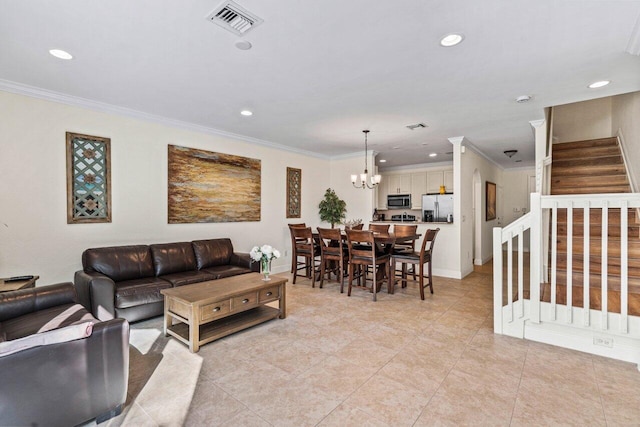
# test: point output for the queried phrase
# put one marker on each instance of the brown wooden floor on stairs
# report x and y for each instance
(594, 167)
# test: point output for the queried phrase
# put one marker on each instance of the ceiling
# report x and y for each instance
(320, 72)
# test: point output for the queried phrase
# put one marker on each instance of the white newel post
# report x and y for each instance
(497, 280)
(534, 258)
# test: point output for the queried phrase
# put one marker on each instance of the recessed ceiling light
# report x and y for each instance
(243, 44)
(425, 143)
(523, 98)
(246, 113)
(433, 154)
(451, 40)
(383, 161)
(396, 148)
(60, 54)
(601, 83)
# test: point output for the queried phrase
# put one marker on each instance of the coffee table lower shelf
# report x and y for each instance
(226, 326)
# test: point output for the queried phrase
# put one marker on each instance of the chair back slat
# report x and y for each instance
(330, 241)
(429, 239)
(379, 228)
(361, 244)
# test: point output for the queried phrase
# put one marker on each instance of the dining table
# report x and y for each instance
(384, 241)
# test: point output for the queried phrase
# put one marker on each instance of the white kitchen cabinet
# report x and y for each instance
(448, 181)
(418, 188)
(381, 189)
(399, 184)
(437, 178)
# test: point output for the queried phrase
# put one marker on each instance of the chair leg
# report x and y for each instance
(323, 264)
(350, 279)
(391, 277)
(374, 283)
(430, 279)
(295, 271)
(312, 263)
(341, 271)
(421, 284)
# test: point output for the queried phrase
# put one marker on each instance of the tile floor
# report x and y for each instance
(339, 361)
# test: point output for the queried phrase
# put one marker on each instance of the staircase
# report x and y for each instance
(593, 167)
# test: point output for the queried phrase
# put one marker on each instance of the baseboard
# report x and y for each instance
(622, 348)
(451, 274)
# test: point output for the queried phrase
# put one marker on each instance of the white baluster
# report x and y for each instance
(510, 275)
(554, 257)
(497, 280)
(585, 268)
(520, 271)
(624, 273)
(604, 264)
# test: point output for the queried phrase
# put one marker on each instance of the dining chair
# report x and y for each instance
(294, 261)
(357, 227)
(305, 247)
(363, 254)
(403, 230)
(333, 255)
(379, 228)
(420, 259)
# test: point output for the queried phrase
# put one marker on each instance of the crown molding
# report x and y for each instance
(75, 101)
(464, 142)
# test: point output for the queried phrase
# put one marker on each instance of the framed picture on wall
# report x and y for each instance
(88, 179)
(490, 201)
(294, 192)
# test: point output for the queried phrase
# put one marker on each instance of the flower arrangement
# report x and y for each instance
(350, 223)
(264, 254)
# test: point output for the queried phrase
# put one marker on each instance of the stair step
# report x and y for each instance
(602, 142)
(595, 265)
(599, 169)
(605, 189)
(589, 181)
(595, 230)
(586, 152)
(582, 163)
(595, 281)
(595, 298)
(595, 216)
(595, 246)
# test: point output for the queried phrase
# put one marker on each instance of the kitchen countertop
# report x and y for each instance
(410, 222)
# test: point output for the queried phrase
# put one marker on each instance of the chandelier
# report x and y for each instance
(364, 177)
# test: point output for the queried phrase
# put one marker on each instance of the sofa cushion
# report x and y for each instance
(119, 262)
(171, 258)
(131, 293)
(212, 252)
(45, 320)
(222, 271)
(187, 277)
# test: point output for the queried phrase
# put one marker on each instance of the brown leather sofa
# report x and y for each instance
(125, 281)
(59, 365)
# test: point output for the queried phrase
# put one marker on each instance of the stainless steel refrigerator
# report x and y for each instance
(437, 207)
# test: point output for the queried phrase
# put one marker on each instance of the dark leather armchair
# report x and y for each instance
(49, 376)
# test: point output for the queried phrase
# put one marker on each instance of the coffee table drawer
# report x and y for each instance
(216, 309)
(269, 294)
(243, 302)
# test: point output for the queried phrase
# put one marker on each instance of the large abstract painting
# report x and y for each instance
(88, 179)
(212, 187)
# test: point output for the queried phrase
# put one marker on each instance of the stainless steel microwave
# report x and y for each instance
(398, 201)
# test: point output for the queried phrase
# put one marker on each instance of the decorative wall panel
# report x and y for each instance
(88, 178)
(204, 186)
(294, 192)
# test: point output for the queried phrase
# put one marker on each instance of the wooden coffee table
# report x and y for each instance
(211, 310)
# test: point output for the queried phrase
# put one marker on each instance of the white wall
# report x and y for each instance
(470, 161)
(582, 120)
(359, 201)
(34, 235)
(626, 119)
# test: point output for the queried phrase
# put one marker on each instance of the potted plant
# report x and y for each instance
(332, 209)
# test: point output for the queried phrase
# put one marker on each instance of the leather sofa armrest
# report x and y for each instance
(90, 378)
(24, 301)
(244, 260)
(96, 293)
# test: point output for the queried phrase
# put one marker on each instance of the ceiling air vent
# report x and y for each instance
(417, 126)
(234, 18)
